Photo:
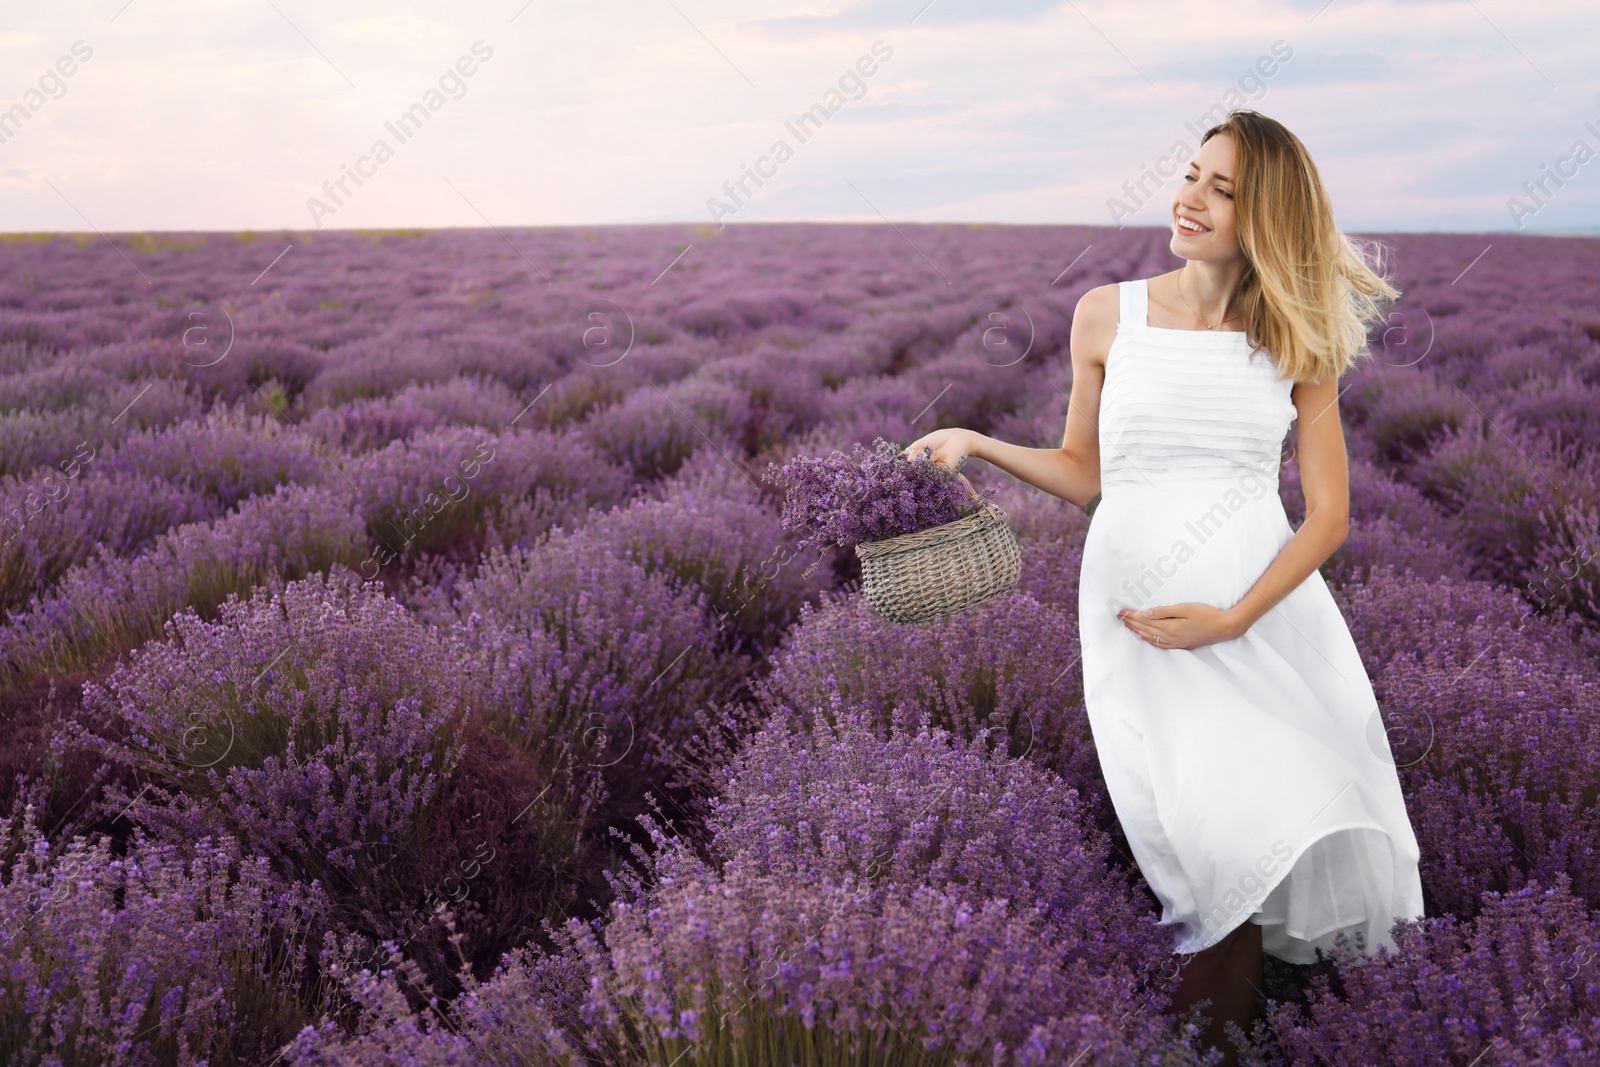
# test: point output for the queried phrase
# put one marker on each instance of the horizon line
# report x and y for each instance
(13, 236)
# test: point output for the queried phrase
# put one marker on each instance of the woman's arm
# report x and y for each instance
(1071, 472)
(1325, 481)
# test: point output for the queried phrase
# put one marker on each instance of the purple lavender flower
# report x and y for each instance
(160, 954)
(869, 495)
(1519, 984)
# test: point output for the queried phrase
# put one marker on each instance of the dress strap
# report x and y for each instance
(1134, 297)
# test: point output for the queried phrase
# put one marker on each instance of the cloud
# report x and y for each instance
(1308, 67)
(898, 14)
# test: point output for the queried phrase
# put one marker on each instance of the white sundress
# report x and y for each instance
(1253, 777)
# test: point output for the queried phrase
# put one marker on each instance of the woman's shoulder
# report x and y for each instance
(1100, 306)
(1094, 322)
(1104, 302)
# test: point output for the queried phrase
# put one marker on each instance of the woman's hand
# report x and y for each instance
(950, 446)
(1185, 626)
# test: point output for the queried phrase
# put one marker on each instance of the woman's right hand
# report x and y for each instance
(950, 446)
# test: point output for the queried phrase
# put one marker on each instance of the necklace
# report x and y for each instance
(1191, 306)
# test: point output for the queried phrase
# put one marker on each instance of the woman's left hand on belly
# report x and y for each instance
(1185, 626)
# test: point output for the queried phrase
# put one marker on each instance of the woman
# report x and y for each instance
(1236, 727)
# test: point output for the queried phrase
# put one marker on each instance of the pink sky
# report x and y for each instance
(236, 114)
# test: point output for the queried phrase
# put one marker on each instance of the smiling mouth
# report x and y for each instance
(1183, 224)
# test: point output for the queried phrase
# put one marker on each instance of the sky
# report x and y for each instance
(143, 115)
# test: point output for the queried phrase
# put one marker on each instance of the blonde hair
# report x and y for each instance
(1309, 292)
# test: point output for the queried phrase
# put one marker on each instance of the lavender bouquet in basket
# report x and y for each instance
(870, 495)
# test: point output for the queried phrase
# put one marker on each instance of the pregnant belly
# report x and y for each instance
(1205, 542)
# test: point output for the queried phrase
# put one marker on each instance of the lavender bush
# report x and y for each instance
(316, 725)
(709, 529)
(227, 456)
(590, 663)
(151, 956)
(55, 520)
(363, 425)
(831, 797)
(655, 429)
(838, 941)
(111, 604)
(979, 674)
(1518, 985)
(1521, 508)
(436, 491)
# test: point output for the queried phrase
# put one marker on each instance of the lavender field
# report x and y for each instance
(403, 660)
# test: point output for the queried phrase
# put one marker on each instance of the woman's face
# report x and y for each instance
(1205, 196)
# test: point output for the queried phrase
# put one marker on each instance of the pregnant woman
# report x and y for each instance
(1236, 727)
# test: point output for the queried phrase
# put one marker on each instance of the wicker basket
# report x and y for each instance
(932, 574)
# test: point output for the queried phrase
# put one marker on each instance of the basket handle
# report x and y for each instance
(971, 492)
